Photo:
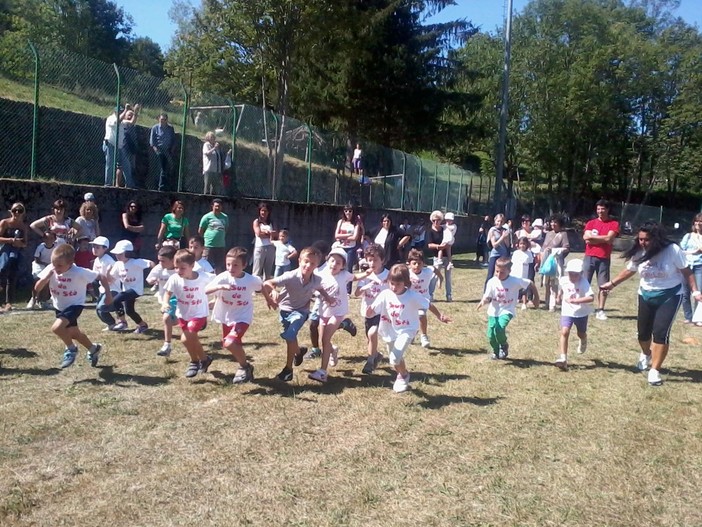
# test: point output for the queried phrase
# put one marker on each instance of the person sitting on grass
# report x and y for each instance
(67, 283)
(576, 297)
(502, 294)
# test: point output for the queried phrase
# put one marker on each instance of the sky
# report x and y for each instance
(151, 16)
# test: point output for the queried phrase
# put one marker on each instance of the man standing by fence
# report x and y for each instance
(162, 141)
(112, 149)
(599, 239)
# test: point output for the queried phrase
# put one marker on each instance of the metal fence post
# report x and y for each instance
(232, 169)
(419, 186)
(309, 160)
(35, 113)
(433, 193)
(448, 188)
(460, 189)
(186, 105)
(119, 122)
(404, 168)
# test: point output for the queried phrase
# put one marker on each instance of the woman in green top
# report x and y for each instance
(174, 227)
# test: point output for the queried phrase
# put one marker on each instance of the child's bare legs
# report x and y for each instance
(401, 368)
(372, 341)
(293, 348)
(193, 346)
(68, 335)
(237, 351)
(423, 324)
(328, 329)
(563, 345)
(167, 328)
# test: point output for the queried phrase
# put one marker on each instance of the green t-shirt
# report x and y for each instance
(215, 226)
(174, 226)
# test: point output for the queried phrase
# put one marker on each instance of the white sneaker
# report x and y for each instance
(424, 341)
(319, 376)
(654, 377)
(165, 350)
(644, 362)
(31, 304)
(561, 363)
(154, 288)
(401, 384)
(600, 315)
(120, 326)
(582, 347)
(334, 357)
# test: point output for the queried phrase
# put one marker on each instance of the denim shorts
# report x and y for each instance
(292, 323)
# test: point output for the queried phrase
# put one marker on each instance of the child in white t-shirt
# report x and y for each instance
(368, 289)
(575, 296)
(399, 307)
(159, 275)
(284, 252)
(188, 286)
(522, 264)
(67, 283)
(234, 308)
(42, 258)
(196, 244)
(420, 276)
(449, 238)
(501, 295)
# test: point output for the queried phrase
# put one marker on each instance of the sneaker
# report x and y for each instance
(154, 288)
(108, 328)
(644, 362)
(654, 377)
(319, 376)
(193, 369)
(165, 350)
(69, 357)
(285, 375)
(504, 351)
(32, 304)
(424, 341)
(47, 305)
(348, 325)
(334, 357)
(369, 366)
(205, 364)
(600, 315)
(449, 298)
(495, 356)
(245, 374)
(94, 354)
(141, 329)
(377, 359)
(561, 363)
(299, 356)
(314, 353)
(582, 347)
(120, 326)
(401, 384)
(524, 306)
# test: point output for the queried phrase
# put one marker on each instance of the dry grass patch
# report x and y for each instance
(476, 442)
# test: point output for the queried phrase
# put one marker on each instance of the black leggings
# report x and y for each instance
(657, 319)
(122, 303)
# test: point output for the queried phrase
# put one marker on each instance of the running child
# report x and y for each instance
(523, 265)
(420, 276)
(188, 286)
(284, 252)
(234, 308)
(501, 294)
(576, 297)
(293, 301)
(399, 307)
(196, 244)
(368, 289)
(130, 272)
(102, 264)
(67, 283)
(159, 275)
(42, 258)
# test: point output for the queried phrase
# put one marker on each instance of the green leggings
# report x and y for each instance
(497, 330)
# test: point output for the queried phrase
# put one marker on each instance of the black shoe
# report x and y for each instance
(285, 375)
(348, 325)
(205, 364)
(299, 356)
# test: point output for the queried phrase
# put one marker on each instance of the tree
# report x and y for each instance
(145, 56)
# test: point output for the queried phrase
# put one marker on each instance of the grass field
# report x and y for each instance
(476, 442)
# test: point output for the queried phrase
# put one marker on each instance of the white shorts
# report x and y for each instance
(397, 343)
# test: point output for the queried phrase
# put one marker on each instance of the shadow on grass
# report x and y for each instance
(621, 317)
(434, 402)
(19, 353)
(107, 375)
(29, 371)
(455, 352)
(615, 366)
(684, 375)
(525, 363)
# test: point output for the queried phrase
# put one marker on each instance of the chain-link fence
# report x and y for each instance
(55, 105)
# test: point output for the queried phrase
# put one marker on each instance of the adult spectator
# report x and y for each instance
(87, 223)
(264, 250)
(662, 268)
(162, 142)
(481, 247)
(556, 243)
(499, 240)
(57, 222)
(435, 245)
(419, 235)
(113, 145)
(692, 245)
(213, 228)
(175, 227)
(133, 225)
(130, 147)
(13, 238)
(211, 165)
(599, 240)
(357, 160)
(392, 239)
(347, 235)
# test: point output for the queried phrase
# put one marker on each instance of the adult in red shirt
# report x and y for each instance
(599, 239)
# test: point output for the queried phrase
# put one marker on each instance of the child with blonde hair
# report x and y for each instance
(158, 277)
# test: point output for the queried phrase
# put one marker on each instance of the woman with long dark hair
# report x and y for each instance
(390, 238)
(133, 225)
(175, 227)
(347, 235)
(264, 250)
(13, 238)
(662, 269)
(57, 222)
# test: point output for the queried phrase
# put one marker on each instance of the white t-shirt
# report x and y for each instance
(449, 235)
(282, 253)
(235, 305)
(399, 312)
(203, 265)
(131, 274)
(160, 276)
(504, 294)
(43, 254)
(192, 299)
(662, 271)
(102, 266)
(369, 295)
(263, 242)
(520, 263)
(68, 289)
(579, 290)
(381, 237)
(357, 154)
(420, 282)
(335, 286)
(349, 228)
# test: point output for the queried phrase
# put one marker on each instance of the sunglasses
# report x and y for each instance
(18, 211)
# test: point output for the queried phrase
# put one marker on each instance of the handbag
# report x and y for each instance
(549, 267)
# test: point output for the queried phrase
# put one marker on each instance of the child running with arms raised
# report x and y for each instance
(159, 275)
(399, 307)
(234, 308)
(368, 289)
(501, 294)
(576, 297)
(67, 283)
(188, 286)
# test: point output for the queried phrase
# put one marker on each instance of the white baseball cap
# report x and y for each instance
(574, 266)
(101, 240)
(89, 196)
(538, 222)
(449, 216)
(338, 251)
(122, 247)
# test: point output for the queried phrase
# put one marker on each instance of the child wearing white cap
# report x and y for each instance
(575, 296)
(449, 239)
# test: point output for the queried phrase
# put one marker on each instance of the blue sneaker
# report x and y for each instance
(69, 357)
(141, 329)
(94, 354)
